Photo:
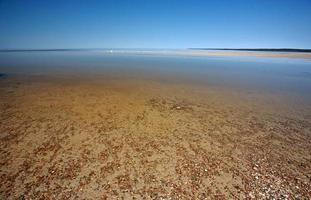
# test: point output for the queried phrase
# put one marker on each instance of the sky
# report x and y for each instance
(155, 24)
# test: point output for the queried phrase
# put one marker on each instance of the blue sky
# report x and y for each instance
(155, 23)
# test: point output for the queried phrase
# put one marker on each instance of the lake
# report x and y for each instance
(154, 123)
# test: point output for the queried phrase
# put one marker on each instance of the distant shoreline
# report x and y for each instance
(285, 50)
(259, 49)
(202, 52)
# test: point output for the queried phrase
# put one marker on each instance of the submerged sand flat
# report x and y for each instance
(306, 56)
(65, 137)
(216, 53)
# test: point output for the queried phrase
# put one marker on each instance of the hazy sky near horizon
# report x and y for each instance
(155, 23)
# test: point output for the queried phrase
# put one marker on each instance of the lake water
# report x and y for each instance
(130, 123)
(276, 75)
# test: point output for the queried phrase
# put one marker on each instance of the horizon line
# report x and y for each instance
(305, 50)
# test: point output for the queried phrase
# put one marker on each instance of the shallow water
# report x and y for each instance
(94, 124)
(291, 77)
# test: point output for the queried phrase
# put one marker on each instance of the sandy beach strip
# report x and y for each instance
(215, 53)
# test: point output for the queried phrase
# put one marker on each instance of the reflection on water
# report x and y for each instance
(291, 76)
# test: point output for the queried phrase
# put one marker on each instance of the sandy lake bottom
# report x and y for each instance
(153, 128)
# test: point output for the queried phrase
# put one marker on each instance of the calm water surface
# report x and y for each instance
(279, 75)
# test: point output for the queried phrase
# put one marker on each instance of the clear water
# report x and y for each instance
(281, 75)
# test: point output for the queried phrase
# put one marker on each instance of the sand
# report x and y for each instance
(305, 56)
(216, 53)
(66, 137)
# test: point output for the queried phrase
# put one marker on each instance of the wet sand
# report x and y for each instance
(99, 137)
(216, 53)
(306, 56)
